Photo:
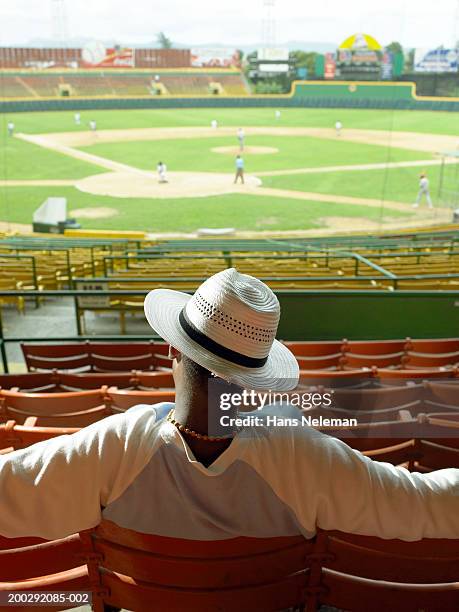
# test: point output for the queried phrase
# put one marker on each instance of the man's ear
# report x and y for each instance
(174, 353)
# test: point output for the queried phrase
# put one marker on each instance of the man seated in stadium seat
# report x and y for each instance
(160, 470)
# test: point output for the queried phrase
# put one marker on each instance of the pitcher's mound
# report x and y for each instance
(253, 150)
(146, 185)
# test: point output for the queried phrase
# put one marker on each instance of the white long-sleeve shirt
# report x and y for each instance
(136, 470)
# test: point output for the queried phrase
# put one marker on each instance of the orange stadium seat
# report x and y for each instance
(132, 570)
(362, 573)
(71, 409)
(136, 570)
(14, 436)
(119, 400)
(31, 564)
(92, 356)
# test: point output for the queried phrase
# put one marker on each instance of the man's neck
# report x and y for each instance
(191, 410)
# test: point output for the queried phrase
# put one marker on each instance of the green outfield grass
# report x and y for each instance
(410, 121)
(26, 161)
(240, 211)
(397, 184)
(294, 152)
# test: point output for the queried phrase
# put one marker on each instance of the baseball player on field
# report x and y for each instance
(239, 169)
(423, 191)
(162, 169)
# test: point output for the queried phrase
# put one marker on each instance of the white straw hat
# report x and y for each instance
(228, 327)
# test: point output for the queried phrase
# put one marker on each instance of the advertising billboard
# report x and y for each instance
(330, 66)
(387, 66)
(272, 54)
(96, 55)
(274, 68)
(214, 58)
(436, 60)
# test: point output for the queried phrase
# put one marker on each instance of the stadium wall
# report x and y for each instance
(304, 94)
(318, 315)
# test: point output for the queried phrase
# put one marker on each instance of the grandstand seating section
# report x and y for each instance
(44, 263)
(135, 267)
(116, 83)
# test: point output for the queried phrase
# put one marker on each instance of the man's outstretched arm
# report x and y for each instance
(56, 488)
(327, 484)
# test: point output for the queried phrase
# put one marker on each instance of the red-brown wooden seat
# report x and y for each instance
(446, 393)
(435, 346)
(69, 381)
(364, 417)
(334, 378)
(400, 453)
(329, 362)
(120, 400)
(436, 456)
(111, 357)
(421, 360)
(315, 349)
(154, 380)
(414, 374)
(374, 347)
(44, 382)
(14, 436)
(74, 356)
(442, 419)
(357, 594)
(17, 405)
(377, 398)
(381, 354)
(79, 419)
(28, 564)
(144, 572)
(316, 355)
(353, 361)
(97, 356)
(365, 573)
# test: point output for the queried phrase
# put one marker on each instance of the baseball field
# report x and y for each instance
(299, 175)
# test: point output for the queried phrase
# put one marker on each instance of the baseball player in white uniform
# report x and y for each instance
(162, 169)
(214, 124)
(10, 128)
(423, 191)
(77, 118)
(338, 128)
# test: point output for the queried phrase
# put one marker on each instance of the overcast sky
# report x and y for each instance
(422, 23)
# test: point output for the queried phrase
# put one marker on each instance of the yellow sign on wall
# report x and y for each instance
(361, 41)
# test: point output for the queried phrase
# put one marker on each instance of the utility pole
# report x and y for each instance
(268, 24)
(59, 21)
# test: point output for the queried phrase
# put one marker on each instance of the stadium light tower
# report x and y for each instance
(59, 21)
(268, 24)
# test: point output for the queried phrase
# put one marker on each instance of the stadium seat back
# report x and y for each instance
(145, 572)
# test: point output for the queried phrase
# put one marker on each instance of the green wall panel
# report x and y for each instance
(332, 315)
